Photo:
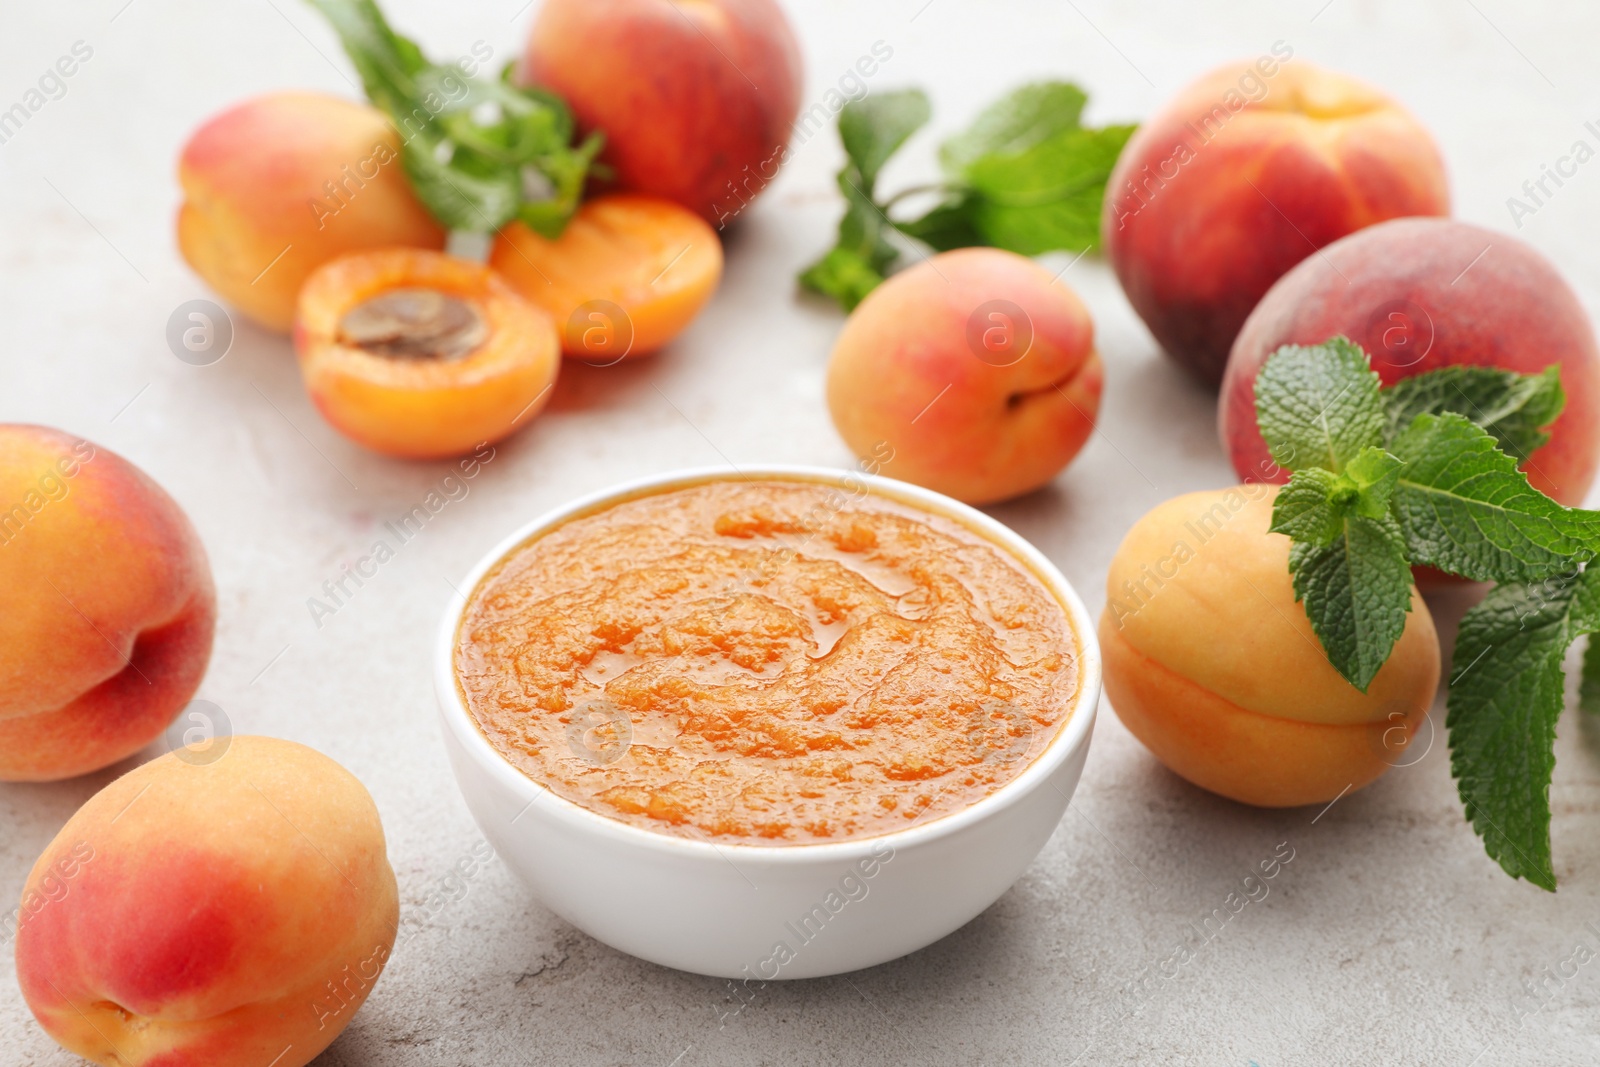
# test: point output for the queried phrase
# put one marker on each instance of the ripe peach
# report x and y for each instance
(234, 912)
(696, 97)
(1211, 662)
(1251, 169)
(1418, 295)
(109, 606)
(974, 372)
(625, 277)
(277, 186)
(421, 355)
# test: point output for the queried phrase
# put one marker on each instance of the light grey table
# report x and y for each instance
(1389, 938)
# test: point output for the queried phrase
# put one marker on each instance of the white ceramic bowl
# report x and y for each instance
(763, 912)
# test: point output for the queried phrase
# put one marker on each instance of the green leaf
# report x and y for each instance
(1014, 124)
(1047, 198)
(1356, 591)
(1313, 507)
(1307, 510)
(873, 128)
(1466, 509)
(843, 274)
(1319, 406)
(1374, 473)
(950, 225)
(1514, 408)
(478, 152)
(1505, 698)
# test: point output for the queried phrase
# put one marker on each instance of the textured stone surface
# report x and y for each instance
(1389, 938)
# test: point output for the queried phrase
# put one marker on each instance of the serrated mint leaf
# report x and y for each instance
(1356, 592)
(1374, 473)
(1505, 697)
(873, 128)
(1466, 509)
(1514, 408)
(1307, 509)
(1318, 405)
(1014, 124)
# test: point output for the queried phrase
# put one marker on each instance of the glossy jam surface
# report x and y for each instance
(767, 662)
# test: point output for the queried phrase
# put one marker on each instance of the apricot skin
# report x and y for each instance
(1420, 295)
(1210, 203)
(233, 913)
(696, 97)
(424, 409)
(259, 215)
(1213, 665)
(656, 261)
(907, 380)
(110, 606)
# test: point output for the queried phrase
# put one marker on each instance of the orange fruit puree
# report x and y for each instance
(766, 661)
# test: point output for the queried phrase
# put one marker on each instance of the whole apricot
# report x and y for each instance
(277, 186)
(110, 606)
(973, 373)
(1420, 295)
(1248, 171)
(625, 277)
(230, 911)
(422, 355)
(1212, 663)
(696, 98)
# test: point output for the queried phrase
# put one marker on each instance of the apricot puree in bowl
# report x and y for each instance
(771, 660)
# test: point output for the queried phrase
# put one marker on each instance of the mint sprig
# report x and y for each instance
(1025, 176)
(478, 152)
(1426, 473)
(872, 130)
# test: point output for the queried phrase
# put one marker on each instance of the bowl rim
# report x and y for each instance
(1070, 737)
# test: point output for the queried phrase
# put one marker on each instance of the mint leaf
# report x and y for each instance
(1514, 408)
(478, 152)
(844, 274)
(872, 130)
(1014, 124)
(1315, 504)
(1307, 509)
(1356, 592)
(1047, 198)
(1466, 509)
(1504, 701)
(1025, 176)
(1374, 473)
(950, 225)
(1319, 405)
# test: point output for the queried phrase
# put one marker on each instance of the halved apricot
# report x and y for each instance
(418, 354)
(624, 278)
